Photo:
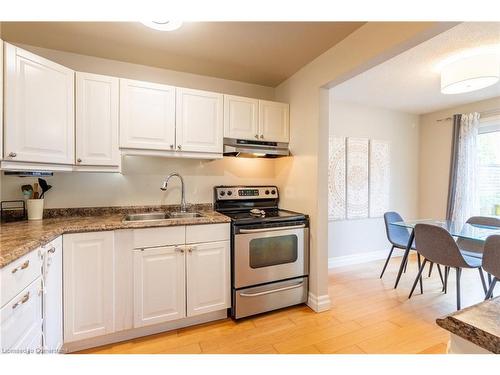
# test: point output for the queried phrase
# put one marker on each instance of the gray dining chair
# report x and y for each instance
(436, 245)
(491, 261)
(397, 236)
(474, 248)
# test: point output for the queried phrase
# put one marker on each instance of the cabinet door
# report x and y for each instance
(199, 124)
(241, 117)
(208, 277)
(52, 301)
(159, 285)
(96, 120)
(88, 285)
(39, 109)
(147, 115)
(274, 121)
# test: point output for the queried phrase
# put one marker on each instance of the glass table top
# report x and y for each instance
(467, 231)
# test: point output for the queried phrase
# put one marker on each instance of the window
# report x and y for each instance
(488, 143)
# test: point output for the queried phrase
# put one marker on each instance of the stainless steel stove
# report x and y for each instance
(269, 249)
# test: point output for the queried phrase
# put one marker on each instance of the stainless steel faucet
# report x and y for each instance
(183, 192)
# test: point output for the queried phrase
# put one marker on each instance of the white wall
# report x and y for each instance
(304, 178)
(353, 237)
(435, 155)
(142, 176)
(141, 180)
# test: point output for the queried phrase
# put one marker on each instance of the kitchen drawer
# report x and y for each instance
(207, 233)
(32, 343)
(21, 319)
(162, 236)
(268, 297)
(19, 274)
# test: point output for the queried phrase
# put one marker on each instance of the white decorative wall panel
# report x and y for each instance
(357, 178)
(380, 177)
(337, 179)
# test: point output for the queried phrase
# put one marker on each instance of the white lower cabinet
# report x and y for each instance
(88, 274)
(21, 320)
(121, 281)
(52, 297)
(159, 285)
(183, 280)
(208, 281)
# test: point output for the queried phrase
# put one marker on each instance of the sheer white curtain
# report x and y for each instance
(466, 201)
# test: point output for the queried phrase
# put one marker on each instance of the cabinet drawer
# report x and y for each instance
(207, 233)
(163, 236)
(19, 274)
(21, 319)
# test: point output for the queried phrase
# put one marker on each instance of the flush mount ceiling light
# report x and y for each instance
(470, 73)
(163, 25)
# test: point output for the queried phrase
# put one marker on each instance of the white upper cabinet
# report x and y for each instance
(253, 119)
(273, 121)
(88, 280)
(199, 125)
(159, 285)
(241, 119)
(208, 277)
(39, 109)
(97, 120)
(147, 115)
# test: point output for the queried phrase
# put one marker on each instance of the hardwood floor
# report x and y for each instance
(367, 316)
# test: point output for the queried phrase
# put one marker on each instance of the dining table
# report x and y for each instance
(467, 231)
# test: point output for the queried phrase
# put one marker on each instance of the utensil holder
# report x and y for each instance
(35, 209)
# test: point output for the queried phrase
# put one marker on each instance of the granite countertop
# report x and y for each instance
(479, 324)
(21, 237)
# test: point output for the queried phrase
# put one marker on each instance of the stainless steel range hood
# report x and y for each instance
(254, 149)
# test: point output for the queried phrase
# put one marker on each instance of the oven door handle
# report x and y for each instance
(272, 291)
(271, 229)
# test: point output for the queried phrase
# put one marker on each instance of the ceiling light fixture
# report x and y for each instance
(163, 25)
(470, 72)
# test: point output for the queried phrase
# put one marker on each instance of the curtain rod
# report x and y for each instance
(483, 114)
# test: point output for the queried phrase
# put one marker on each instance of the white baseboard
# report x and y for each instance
(347, 260)
(318, 303)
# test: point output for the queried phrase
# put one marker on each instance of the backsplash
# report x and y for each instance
(140, 181)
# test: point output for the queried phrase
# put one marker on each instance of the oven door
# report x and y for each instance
(270, 254)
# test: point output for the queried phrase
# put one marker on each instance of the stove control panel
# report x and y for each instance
(246, 192)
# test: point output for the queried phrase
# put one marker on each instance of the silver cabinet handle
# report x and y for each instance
(24, 299)
(78, 160)
(21, 267)
(171, 147)
(52, 250)
(272, 229)
(179, 147)
(272, 291)
(12, 154)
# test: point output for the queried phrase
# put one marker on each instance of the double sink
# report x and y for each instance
(155, 216)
